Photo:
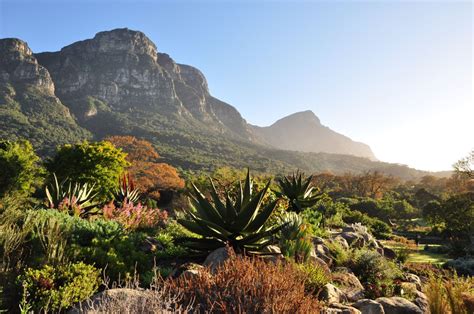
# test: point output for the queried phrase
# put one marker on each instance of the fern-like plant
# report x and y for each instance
(298, 190)
(237, 222)
(76, 199)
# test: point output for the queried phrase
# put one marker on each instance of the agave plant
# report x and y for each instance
(298, 191)
(77, 199)
(126, 192)
(237, 222)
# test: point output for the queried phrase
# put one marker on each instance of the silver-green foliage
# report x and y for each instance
(77, 199)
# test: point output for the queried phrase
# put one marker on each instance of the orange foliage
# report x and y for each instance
(151, 177)
(246, 285)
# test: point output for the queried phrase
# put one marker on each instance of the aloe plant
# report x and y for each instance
(298, 191)
(77, 199)
(238, 222)
(126, 191)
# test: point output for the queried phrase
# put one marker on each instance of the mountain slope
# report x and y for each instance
(118, 83)
(304, 132)
(28, 106)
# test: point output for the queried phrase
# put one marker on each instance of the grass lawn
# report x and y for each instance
(421, 256)
(418, 255)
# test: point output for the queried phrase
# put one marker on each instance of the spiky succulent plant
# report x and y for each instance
(237, 222)
(77, 199)
(299, 191)
(126, 191)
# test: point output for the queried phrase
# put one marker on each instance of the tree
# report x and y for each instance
(155, 179)
(18, 167)
(98, 163)
(465, 166)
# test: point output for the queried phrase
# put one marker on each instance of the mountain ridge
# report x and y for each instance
(117, 83)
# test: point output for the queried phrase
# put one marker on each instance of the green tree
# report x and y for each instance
(18, 167)
(98, 163)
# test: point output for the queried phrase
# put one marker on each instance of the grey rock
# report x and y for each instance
(367, 306)
(398, 305)
(332, 294)
(421, 300)
(216, 258)
(342, 308)
(349, 284)
(414, 279)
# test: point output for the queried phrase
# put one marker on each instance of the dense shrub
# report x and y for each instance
(55, 288)
(375, 272)
(247, 285)
(340, 255)
(18, 167)
(98, 163)
(463, 266)
(316, 277)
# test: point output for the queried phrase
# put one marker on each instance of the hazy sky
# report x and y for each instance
(397, 75)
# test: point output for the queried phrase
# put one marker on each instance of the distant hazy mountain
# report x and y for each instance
(304, 132)
(118, 83)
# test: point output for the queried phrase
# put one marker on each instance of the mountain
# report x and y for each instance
(118, 83)
(29, 107)
(302, 131)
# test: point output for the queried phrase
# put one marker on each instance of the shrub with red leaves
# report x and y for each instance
(246, 285)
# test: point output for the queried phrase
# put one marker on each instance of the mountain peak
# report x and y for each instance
(302, 117)
(118, 40)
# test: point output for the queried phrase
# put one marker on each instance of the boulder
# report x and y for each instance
(216, 258)
(368, 306)
(353, 239)
(342, 242)
(389, 253)
(414, 279)
(342, 308)
(316, 261)
(178, 271)
(421, 300)
(398, 305)
(349, 284)
(332, 294)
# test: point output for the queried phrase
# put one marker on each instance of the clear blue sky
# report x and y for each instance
(396, 75)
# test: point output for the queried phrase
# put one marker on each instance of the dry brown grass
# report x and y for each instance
(246, 285)
(454, 296)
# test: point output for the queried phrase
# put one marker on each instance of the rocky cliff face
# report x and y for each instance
(19, 67)
(118, 83)
(304, 132)
(28, 106)
(122, 71)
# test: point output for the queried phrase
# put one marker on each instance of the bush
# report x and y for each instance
(463, 266)
(340, 255)
(135, 216)
(378, 228)
(315, 276)
(54, 289)
(98, 163)
(246, 285)
(19, 168)
(375, 272)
